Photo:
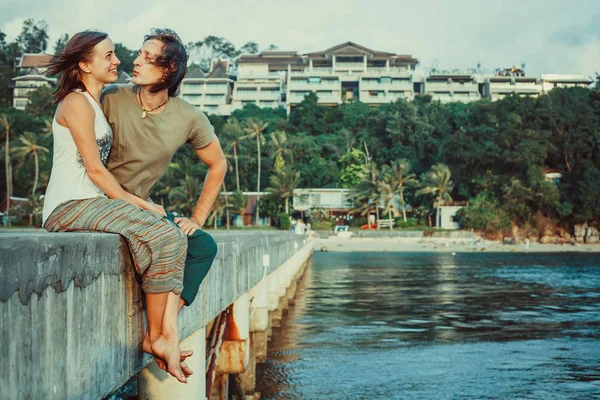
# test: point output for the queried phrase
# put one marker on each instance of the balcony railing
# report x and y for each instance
(349, 66)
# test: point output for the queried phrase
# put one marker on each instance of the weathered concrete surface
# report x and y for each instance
(72, 320)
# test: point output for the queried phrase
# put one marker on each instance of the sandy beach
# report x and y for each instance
(436, 245)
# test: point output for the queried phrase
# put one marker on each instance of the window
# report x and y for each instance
(385, 79)
(193, 98)
(314, 79)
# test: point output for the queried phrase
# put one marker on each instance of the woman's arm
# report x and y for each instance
(78, 115)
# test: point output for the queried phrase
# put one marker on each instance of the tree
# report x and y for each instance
(398, 177)
(234, 131)
(220, 206)
(185, 196)
(437, 182)
(283, 184)
(30, 145)
(368, 193)
(126, 56)
(279, 140)
(33, 37)
(41, 102)
(59, 46)
(249, 48)
(5, 124)
(254, 130)
(204, 51)
(238, 204)
(352, 168)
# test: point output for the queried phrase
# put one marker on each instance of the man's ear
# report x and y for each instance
(84, 67)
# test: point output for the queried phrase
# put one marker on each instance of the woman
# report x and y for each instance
(83, 196)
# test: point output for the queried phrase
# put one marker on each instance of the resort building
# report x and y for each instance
(30, 76)
(210, 92)
(334, 200)
(508, 81)
(550, 81)
(350, 71)
(461, 86)
(261, 78)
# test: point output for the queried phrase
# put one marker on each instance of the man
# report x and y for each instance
(149, 124)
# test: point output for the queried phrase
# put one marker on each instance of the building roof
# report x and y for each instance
(219, 69)
(195, 72)
(445, 77)
(34, 74)
(351, 48)
(30, 60)
(567, 78)
(270, 57)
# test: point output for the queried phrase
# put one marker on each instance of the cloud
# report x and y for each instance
(549, 35)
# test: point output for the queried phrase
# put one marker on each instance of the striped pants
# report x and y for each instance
(158, 246)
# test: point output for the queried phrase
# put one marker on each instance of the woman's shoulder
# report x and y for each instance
(75, 100)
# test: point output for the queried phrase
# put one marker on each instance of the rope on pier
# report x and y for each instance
(216, 340)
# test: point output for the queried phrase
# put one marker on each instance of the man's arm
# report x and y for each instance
(211, 155)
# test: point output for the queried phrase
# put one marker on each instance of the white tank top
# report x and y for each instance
(69, 179)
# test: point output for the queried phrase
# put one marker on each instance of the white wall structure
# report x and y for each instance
(448, 217)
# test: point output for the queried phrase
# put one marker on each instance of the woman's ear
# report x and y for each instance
(83, 66)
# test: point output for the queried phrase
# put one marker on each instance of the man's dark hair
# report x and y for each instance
(173, 59)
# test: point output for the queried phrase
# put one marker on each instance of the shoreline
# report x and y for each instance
(439, 245)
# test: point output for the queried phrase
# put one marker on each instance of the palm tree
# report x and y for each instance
(238, 204)
(283, 184)
(185, 196)
(219, 206)
(437, 181)
(386, 192)
(29, 145)
(279, 139)
(369, 193)
(254, 130)
(234, 131)
(227, 205)
(8, 166)
(399, 177)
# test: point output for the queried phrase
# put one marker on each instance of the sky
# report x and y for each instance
(548, 36)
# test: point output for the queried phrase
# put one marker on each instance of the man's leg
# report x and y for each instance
(201, 253)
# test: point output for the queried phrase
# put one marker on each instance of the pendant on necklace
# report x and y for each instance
(143, 114)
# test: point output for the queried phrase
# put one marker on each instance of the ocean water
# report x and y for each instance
(437, 326)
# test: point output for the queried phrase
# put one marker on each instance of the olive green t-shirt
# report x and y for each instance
(143, 147)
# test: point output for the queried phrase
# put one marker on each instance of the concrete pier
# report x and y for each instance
(73, 322)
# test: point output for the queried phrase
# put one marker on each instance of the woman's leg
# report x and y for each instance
(158, 249)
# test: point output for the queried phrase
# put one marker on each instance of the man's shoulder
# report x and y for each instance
(117, 90)
(186, 109)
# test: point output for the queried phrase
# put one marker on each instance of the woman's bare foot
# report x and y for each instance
(147, 347)
(168, 350)
(186, 370)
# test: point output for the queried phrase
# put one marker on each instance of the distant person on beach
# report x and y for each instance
(83, 196)
(149, 124)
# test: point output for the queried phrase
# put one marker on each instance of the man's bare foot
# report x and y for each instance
(168, 350)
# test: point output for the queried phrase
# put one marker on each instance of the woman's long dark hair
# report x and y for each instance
(79, 48)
